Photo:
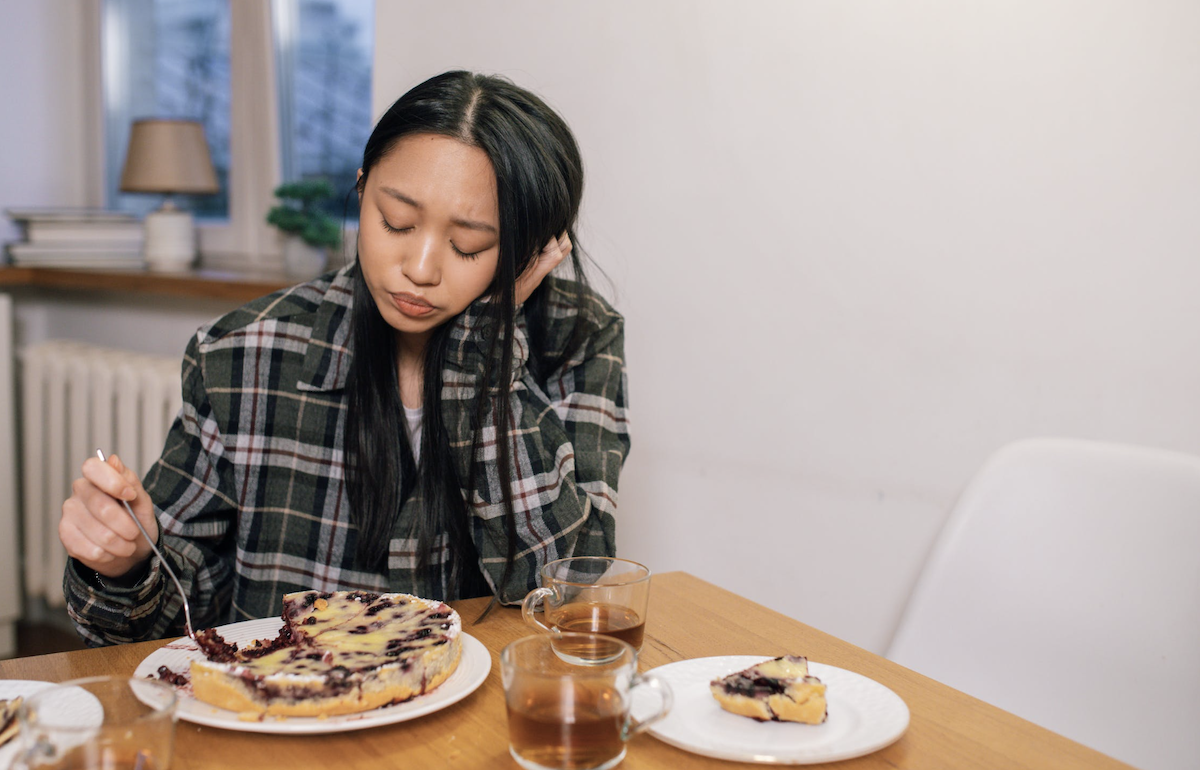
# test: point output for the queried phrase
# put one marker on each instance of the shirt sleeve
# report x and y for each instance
(189, 486)
(569, 438)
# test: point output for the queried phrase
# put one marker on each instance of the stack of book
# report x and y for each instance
(77, 238)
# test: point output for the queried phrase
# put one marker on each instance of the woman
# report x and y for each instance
(442, 417)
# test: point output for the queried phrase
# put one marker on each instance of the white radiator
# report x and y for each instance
(75, 399)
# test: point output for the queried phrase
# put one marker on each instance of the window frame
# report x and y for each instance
(254, 151)
(244, 242)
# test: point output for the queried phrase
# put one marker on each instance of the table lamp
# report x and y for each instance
(169, 157)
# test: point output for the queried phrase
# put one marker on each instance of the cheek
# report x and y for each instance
(368, 244)
(365, 262)
(471, 279)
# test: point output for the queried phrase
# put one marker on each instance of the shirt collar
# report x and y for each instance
(327, 362)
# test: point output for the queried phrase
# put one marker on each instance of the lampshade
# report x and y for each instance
(168, 156)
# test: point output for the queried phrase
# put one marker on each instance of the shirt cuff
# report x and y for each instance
(82, 581)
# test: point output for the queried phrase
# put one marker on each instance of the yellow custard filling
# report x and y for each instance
(342, 632)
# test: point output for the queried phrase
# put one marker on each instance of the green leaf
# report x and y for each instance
(298, 212)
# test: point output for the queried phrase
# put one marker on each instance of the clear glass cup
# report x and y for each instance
(98, 723)
(567, 716)
(591, 594)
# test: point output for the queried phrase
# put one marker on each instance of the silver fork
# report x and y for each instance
(187, 611)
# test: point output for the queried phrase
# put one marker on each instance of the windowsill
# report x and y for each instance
(204, 283)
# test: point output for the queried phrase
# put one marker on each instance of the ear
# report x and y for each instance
(358, 184)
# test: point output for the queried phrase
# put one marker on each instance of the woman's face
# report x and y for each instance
(429, 231)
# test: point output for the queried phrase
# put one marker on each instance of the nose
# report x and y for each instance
(422, 263)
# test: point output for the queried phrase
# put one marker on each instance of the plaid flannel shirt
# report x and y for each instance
(250, 489)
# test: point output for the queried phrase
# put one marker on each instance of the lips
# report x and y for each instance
(411, 305)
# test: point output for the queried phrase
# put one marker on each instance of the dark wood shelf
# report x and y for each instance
(207, 284)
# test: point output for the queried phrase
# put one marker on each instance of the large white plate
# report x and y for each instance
(864, 716)
(473, 667)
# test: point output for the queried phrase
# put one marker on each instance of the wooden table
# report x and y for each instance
(688, 618)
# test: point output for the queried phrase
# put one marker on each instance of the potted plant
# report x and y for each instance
(311, 232)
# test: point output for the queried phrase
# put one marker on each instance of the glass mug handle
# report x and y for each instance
(530, 605)
(634, 726)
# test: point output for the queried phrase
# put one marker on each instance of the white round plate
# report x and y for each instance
(864, 716)
(80, 705)
(473, 667)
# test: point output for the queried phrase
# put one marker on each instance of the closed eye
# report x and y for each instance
(465, 255)
(391, 229)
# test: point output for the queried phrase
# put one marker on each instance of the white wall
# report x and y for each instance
(43, 137)
(859, 246)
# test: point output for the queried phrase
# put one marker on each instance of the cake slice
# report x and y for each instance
(778, 690)
(337, 653)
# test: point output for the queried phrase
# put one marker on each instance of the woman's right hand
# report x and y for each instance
(96, 529)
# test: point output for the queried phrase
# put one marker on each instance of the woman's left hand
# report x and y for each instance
(545, 261)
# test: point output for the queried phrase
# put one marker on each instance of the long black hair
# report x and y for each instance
(539, 183)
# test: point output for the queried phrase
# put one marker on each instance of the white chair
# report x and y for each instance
(1065, 588)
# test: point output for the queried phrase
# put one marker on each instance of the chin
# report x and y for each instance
(410, 325)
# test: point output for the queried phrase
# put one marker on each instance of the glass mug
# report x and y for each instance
(99, 723)
(566, 716)
(592, 594)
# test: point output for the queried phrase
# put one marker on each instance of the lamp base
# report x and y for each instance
(170, 245)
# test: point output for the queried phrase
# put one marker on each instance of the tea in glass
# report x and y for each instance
(595, 618)
(574, 729)
(568, 716)
(591, 594)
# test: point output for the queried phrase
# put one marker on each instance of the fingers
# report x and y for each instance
(112, 477)
(564, 244)
(131, 491)
(556, 251)
(90, 540)
(79, 547)
(550, 257)
(95, 527)
(543, 263)
(95, 503)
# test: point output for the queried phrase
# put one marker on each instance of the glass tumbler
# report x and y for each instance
(99, 723)
(567, 716)
(591, 594)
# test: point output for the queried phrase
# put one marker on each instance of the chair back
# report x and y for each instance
(1065, 588)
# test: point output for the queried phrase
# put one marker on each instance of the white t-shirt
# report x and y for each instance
(412, 425)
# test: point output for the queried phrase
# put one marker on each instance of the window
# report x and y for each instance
(166, 59)
(324, 51)
(283, 90)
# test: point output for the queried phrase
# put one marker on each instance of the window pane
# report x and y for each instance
(324, 52)
(167, 59)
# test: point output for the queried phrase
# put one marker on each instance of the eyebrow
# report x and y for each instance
(470, 224)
